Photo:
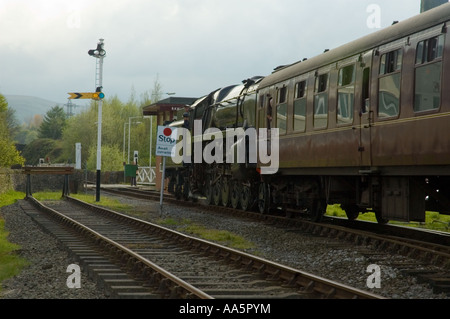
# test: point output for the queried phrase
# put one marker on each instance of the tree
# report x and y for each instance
(80, 128)
(12, 123)
(26, 135)
(111, 158)
(9, 155)
(3, 104)
(156, 95)
(53, 124)
(41, 148)
(29, 131)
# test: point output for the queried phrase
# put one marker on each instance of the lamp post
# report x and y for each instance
(129, 136)
(99, 53)
(151, 145)
(123, 153)
(129, 133)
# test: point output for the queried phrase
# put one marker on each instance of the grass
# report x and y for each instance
(107, 202)
(10, 198)
(10, 263)
(222, 237)
(433, 220)
(110, 203)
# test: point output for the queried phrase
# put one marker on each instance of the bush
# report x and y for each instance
(44, 148)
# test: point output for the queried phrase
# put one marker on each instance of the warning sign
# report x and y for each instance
(166, 141)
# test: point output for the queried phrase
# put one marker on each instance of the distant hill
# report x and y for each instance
(28, 106)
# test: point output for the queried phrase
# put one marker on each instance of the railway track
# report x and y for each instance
(428, 247)
(136, 259)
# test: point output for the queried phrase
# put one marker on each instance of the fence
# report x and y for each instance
(146, 176)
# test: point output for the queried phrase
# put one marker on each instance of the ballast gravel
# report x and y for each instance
(46, 276)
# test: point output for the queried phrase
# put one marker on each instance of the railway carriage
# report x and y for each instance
(364, 125)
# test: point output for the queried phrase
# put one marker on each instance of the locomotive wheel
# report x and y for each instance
(178, 186)
(352, 211)
(186, 190)
(178, 191)
(235, 194)
(225, 192)
(264, 198)
(208, 190)
(246, 198)
(217, 193)
(380, 219)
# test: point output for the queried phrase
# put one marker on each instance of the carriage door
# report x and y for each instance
(366, 113)
(265, 114)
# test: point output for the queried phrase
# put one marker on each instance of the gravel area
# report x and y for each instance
(46, 276)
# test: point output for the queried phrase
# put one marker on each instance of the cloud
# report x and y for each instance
(195, 46)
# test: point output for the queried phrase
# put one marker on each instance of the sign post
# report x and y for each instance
(165, 146)
(99, 54)
(78, 156)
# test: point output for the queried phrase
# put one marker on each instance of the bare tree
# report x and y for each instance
(157, 90)
(156, 94)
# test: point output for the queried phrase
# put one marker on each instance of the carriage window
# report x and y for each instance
(430, 50)
(300, 107)
(428, 74)
(389, 84)
(391, 62)
(346, 95)
(282, 110)
(300, 89)
(365, 91)
(347, 75)
(322, 83)
(282, 95)
(321, 102)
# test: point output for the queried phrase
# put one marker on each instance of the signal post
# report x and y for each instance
(99, 53)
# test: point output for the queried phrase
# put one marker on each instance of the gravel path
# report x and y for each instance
(46, 276)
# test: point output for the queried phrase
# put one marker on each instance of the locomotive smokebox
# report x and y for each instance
(430, 4)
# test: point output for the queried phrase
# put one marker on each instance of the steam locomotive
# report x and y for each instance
(364, 125)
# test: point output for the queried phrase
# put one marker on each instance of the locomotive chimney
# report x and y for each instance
(430, 4)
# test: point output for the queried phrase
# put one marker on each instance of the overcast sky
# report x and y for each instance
(195, 46)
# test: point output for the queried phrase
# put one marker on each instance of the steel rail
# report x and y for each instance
(174, 284)
(404, 245)
(295, 278)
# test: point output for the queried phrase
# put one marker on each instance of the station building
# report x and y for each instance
(166, 110)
